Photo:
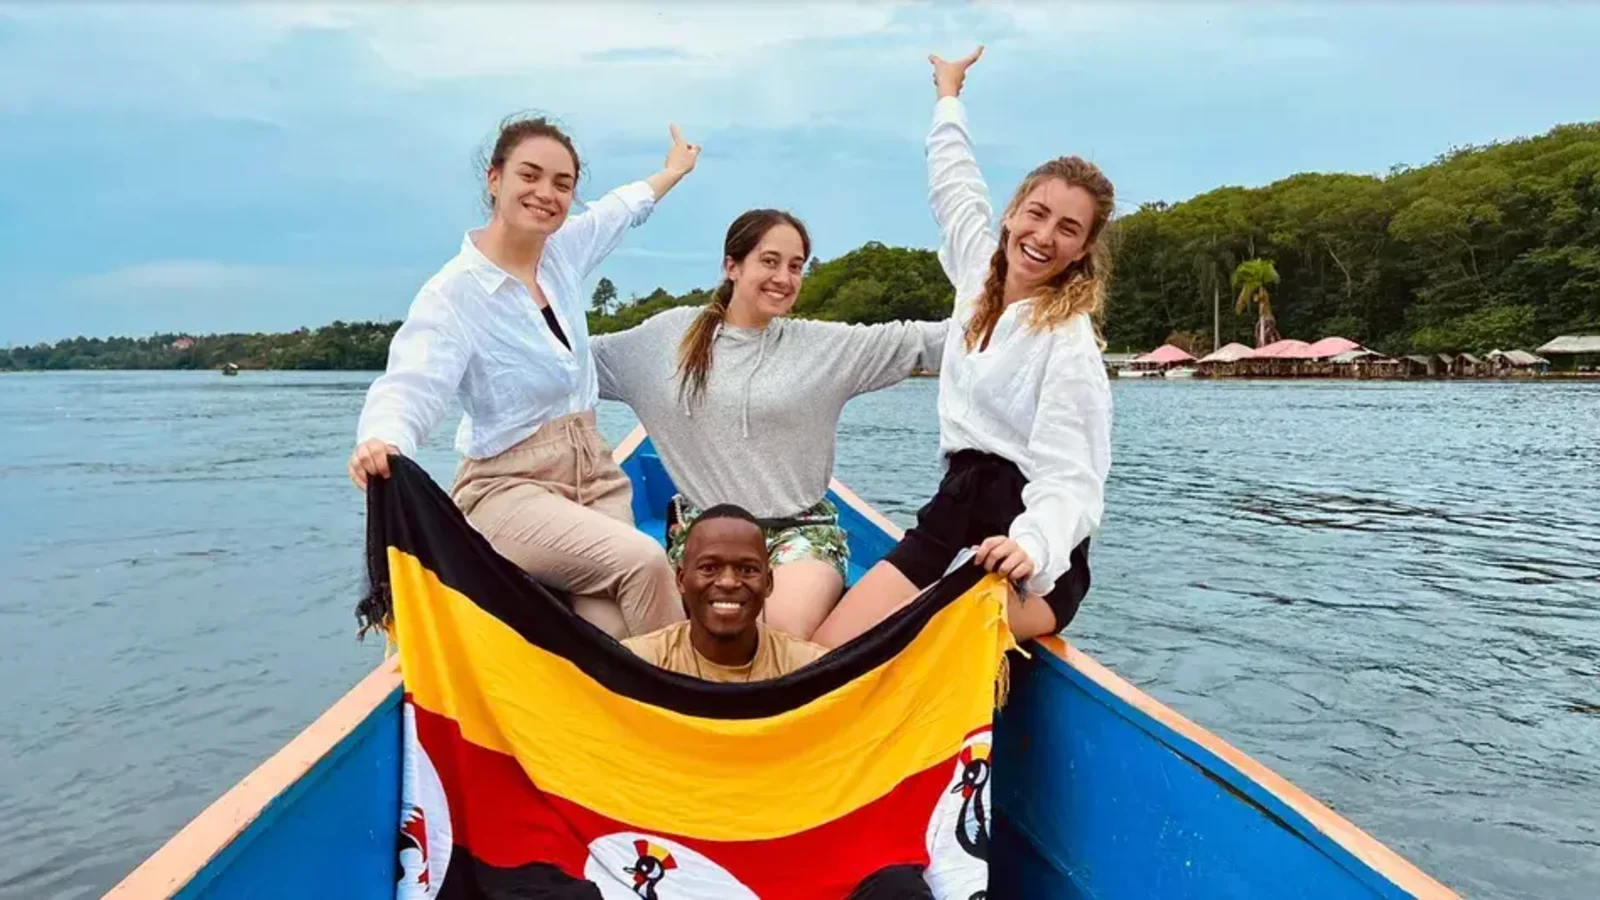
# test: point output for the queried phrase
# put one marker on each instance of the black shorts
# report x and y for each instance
(979, 497)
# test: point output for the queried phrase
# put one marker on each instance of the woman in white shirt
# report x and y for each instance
(501, 328)
(1024, 404)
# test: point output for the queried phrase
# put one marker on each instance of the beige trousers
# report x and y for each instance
(559, 507)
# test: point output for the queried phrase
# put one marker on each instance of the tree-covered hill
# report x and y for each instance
(1486, 247)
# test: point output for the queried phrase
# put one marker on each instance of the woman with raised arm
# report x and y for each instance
(501, 328)
(743, 405)
(1024, 404)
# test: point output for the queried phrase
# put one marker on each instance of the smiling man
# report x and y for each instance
(725, 579)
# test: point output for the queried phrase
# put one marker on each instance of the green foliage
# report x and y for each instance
(1487, 247)
(876, 283)
(339, 345)
(643, 308)
(1251, 279)
(605, 296)
(873, 283)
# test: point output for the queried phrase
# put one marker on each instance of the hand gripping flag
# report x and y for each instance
(542, 759)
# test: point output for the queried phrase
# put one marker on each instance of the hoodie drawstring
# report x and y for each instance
(744, 412)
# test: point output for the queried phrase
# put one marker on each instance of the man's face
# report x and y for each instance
(725, 577)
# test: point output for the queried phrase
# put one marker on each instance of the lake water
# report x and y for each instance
(1390, 593)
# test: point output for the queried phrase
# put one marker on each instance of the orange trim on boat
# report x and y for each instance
(177, 862)
(860, 506)
(181, 858)
(1357, 842)
(629, 444)
(1360, 844)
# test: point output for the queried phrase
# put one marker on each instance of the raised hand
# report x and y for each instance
(682, 156)
(948, 77)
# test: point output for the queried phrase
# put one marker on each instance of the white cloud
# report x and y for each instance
(501, 39)
(177, 275)
(608, 68)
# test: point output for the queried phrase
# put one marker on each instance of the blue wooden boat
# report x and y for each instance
(1101, 792)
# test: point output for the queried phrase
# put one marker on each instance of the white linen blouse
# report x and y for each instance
(1038, 399)
(474, 332)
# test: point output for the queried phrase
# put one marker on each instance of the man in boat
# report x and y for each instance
(725, 579)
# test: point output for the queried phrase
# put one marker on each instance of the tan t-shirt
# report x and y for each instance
(777, 654)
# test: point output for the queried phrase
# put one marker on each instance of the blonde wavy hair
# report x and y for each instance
(1082, 287)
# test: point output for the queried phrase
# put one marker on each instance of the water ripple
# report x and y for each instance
(1390, 593)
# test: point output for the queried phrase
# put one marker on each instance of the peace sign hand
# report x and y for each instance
(683, 155)
(948, 77)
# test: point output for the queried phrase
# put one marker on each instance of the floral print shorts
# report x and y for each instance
(811, 534)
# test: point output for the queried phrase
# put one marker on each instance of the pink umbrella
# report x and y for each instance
(1284, 349)
(1166, 354)
(1228, 353)
(1332, 346)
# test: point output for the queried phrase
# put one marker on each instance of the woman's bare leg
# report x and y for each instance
(1030, 616)
(803, 593)
(874, 598)
(883, 590)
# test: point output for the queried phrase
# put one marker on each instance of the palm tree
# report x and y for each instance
(1250, 279)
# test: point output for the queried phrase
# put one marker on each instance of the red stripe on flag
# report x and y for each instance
(503, 819)
(495, 811)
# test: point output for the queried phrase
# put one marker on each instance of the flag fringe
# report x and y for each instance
(375, 610)
(1008, 643)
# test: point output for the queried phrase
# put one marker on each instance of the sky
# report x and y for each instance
(200, 168)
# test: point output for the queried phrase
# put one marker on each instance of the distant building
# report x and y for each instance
(1417, 365)
(1517, 362)
(183, 343)
(1165, 356)
(1224, 360)
(1573, 353)
(1116, 362)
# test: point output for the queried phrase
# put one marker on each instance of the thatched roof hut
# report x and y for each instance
(1287, 348)
(1518, 360)
(1329, 347)
(1574, 352)
(1572, 343)
(1356, 355)
(1230, 353)
(1419, 364)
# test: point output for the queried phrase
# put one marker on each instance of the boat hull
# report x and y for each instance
(1100, 791)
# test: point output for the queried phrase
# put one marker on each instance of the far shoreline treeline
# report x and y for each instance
(1486, 247)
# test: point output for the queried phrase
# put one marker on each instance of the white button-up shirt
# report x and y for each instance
(1039, 399)
(475, 332)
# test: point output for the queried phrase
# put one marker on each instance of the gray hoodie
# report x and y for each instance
(762, 434)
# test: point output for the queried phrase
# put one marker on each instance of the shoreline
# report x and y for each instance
(1556, 377)
(1548, 376)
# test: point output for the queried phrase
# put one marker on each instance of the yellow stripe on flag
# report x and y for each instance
(715, 779)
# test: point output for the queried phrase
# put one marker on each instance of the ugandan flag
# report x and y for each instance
(543, 759)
